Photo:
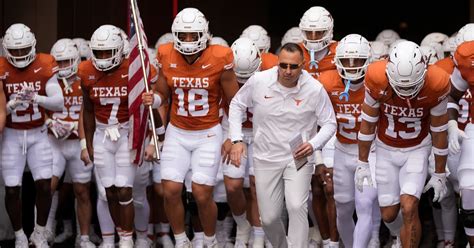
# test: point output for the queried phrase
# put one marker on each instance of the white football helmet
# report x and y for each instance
(126, 44)
(430, 54)
(378, 51)
(435, 40)
(246, 58)
(466, 33)
(387, 36)
(218, 41)
(190, 20)
(66, 50)
(394, 44)
(84, 48)
(19, 36)
(317, 19)
(449, 47)
(259, 35)
(351, 47)
(293, 35)
(406, 69)
(107, 38)
(166, 38)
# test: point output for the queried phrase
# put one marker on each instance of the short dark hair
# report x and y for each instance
(293, 47)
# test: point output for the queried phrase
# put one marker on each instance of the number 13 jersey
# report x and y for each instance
(404, 123)
(195, 88)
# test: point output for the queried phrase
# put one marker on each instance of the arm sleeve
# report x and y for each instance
(238, 107)
(53, 100)
(458, 81)
(440, 109)
(326, 120)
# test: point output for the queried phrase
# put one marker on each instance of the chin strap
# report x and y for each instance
(408, 102)
(345, 95)
(312, 63)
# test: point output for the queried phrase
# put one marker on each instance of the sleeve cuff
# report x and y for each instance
(156, 101)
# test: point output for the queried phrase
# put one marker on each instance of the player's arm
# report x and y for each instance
(53, 100)
(453, 105)
(458, 87)
(88, 121)
(370, 117)
(237, 110)
(229, 84)
(159, 93)
(3, 108)
(439, 134)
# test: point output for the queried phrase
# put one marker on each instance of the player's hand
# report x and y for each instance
(147, 98)
(455, 137)
(438, 183)
(362, 172)
(150, 154)
(85, 157)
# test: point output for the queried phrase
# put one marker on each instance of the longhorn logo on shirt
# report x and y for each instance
(298, 101)
(190, 82)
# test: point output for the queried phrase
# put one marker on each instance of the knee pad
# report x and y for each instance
(465, 176)
(200, 178)
(343, 197)
(409, 188)
(388, 200)
(107, 182)
(12, 181)
(171, 175)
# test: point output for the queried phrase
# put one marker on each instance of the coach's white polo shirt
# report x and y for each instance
(280, 113)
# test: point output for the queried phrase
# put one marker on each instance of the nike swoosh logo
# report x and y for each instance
(124, 76)
(211, 135)
(421, 98)
(268, 97)
(205, 66)
(37, 70)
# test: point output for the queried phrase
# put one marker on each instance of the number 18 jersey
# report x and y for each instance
(195, 88)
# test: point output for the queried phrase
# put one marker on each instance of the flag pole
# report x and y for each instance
(133, 6)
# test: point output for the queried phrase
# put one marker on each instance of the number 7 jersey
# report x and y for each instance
(405, 123)
(195, 88)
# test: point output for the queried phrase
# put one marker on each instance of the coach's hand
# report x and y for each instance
(236, 153)
(304, 150)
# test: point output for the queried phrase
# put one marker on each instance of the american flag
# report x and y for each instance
(138, 114)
